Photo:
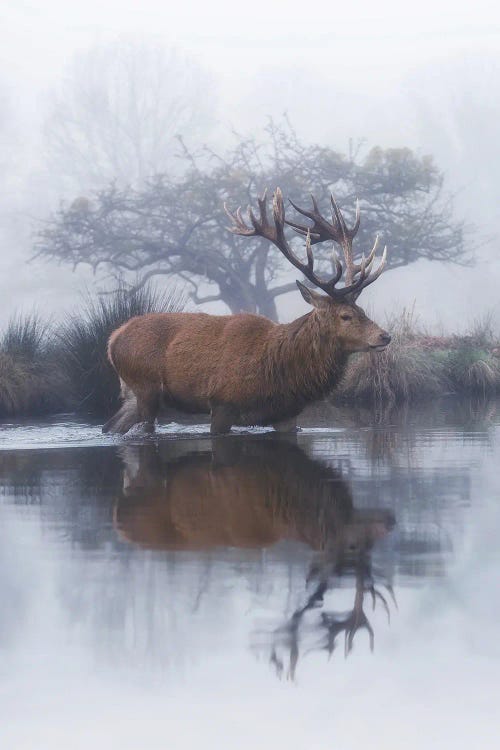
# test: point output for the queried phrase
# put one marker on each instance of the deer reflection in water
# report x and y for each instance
(253, 493)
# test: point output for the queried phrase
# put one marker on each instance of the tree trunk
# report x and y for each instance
(249, 299)
(266, 305)
(239, 302)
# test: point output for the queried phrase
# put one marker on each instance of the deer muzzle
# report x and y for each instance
(384, 339)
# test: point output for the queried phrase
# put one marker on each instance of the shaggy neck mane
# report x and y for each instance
(303, 358)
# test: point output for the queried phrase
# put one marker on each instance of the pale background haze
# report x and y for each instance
(425, 77)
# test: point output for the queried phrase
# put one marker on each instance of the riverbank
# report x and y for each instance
(45, 370)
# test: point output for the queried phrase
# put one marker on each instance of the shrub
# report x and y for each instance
(82, 343)
(473, 370)
(30, 382)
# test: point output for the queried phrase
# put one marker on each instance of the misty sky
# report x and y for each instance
(378, 40)
(425, 76)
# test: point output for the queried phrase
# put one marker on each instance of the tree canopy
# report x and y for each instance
(176, 226)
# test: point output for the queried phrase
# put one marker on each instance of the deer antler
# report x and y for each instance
(355, 620)
(339, 232)
(357, 276)
(274, 232)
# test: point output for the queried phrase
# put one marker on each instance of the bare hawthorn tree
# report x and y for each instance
(177, 226)
(119, 109)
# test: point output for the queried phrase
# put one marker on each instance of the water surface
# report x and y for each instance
(334, 589)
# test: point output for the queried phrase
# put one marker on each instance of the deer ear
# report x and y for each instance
(312, 297)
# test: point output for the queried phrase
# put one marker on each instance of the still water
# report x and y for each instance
(337, 589)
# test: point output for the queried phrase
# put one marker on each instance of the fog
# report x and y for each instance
(426, 78)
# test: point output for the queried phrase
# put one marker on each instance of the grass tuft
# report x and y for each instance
(25, 336)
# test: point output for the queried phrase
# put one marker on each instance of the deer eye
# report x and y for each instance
(346, 316)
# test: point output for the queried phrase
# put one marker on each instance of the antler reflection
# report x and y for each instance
(332, 623)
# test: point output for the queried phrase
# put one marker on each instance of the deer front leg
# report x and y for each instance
(222, 418)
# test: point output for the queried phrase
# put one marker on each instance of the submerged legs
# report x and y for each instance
(287, 425)
(222, 418)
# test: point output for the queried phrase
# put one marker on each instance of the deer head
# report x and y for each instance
(353, 329)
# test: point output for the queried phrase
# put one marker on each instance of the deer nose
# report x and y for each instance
(385, 338)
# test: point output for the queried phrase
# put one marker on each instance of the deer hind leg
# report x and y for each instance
(139, 407)
(126, 416)
(287, 425)
(148, 406)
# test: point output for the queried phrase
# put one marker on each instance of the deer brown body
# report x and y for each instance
(245, 369)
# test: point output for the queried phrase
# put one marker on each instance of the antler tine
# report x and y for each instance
(303, 230)
(345, 239)
(357, 619)
(278, 209)
(337, 216)
(258, 226)
(357, 219)
(385, 605)
(389, 588)
(320, 231)
(238, 226)
(329, 288)
(372, 254)
(341, 233)
(338, 265)
(279, 236)
(370, 258)
(262, 201)
(351, 632)
(241, 221)
(310, 256)
(373, 276)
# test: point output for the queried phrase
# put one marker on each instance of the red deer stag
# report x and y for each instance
(245, 369)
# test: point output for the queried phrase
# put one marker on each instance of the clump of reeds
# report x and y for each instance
(30, 383)
(475, 371)
(83, 343)
(470, 363)
(403, 372)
